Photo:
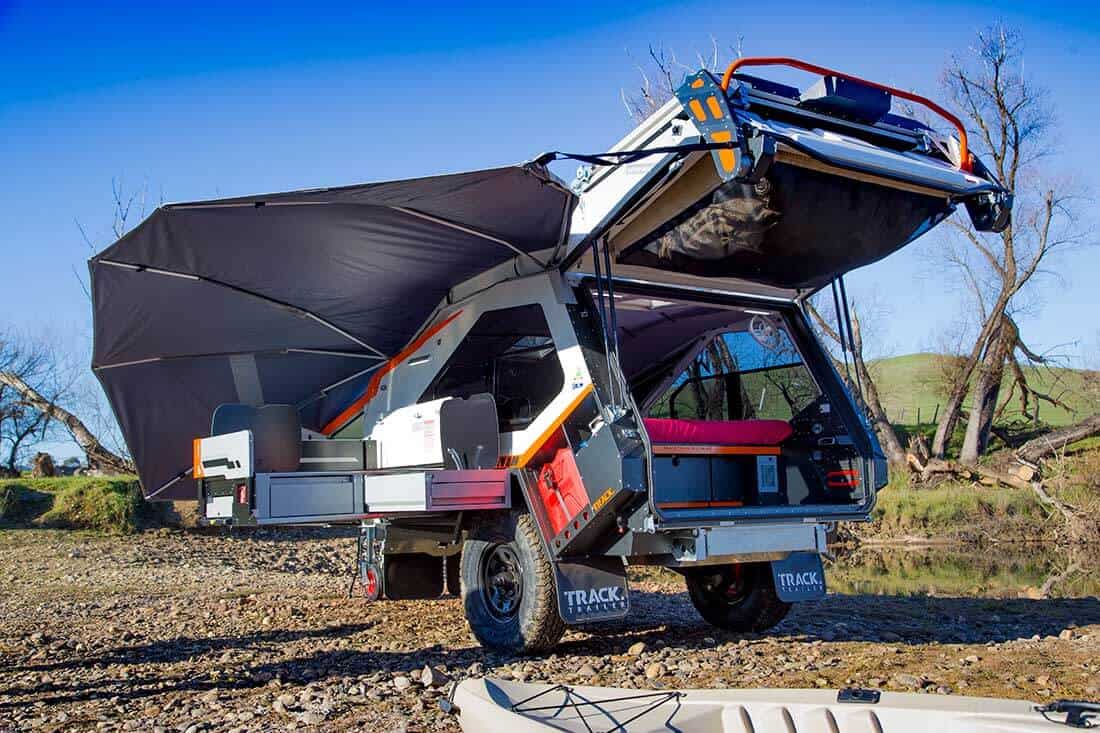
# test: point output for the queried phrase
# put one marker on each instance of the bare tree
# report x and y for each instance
(1010, 122)
(35, 380)
(864, 383)
(663, 73)
(130, 207)
(20, 423)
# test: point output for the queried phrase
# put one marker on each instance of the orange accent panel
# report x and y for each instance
(669, 449)
(354, 408)
(715, 109)
(196, 459)
(697, 110)
(698, 504)
(965, 163)
(697, 83)
(549, 432)
(726, 157)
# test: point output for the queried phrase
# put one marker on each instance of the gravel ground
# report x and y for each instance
(187, 631)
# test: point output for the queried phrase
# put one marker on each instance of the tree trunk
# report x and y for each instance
(887, 436)
(884, 431)
(950, 417)
(42, 466)
(99, 457)
(948, 420)
(987, 390)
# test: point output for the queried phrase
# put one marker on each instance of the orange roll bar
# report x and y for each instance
(965, 163)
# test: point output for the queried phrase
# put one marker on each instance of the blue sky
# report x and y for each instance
(210, 99)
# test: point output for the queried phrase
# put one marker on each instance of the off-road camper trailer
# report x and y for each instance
(531, 386)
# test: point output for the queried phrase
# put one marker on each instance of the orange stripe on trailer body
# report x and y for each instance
(349, 412)
(522, 460)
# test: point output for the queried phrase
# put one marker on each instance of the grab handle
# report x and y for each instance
(965, 164)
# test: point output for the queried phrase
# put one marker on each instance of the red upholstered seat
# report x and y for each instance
(712, 432)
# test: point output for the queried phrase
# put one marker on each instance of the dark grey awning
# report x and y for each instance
(278, 297)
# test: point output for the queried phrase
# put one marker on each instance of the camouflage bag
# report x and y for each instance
(736, 221)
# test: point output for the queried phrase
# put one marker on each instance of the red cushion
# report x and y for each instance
(713, 432)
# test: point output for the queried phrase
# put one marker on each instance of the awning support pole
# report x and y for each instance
(470, 230)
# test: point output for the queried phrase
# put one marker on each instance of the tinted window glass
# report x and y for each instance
(750, 373)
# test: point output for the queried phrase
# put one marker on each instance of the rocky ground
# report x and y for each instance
(186, 631)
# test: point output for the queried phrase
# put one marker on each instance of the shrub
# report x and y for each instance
(109, 505)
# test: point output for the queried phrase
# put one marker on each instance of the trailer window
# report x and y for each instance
(509, 354)
(750, 373)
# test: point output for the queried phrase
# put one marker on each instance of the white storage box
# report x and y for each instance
(410, 436)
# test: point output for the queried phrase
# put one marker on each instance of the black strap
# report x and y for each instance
(622, 157)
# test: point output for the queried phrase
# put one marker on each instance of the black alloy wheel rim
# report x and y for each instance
(502, 582)
(730, 587)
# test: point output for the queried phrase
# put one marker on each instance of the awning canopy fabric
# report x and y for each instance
(292, 298)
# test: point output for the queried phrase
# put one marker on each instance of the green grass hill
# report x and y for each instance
(908, 384)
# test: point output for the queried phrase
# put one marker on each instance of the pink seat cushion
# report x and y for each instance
(712, 432)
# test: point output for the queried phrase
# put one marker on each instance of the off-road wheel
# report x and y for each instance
(736, 597)
(508, 588)
(412, 575)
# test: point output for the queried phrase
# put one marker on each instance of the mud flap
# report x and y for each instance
(800, 577)
(592, 590)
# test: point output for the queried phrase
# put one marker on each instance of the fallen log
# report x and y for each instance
(1039, 448)
(939, 465)
(100, 458)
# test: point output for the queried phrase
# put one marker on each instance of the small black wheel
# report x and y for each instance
(370, 579)
(454, 571)
(508, 589)
(412, 575)
(736, 597)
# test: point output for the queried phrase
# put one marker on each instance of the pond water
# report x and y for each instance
(1018, 571)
